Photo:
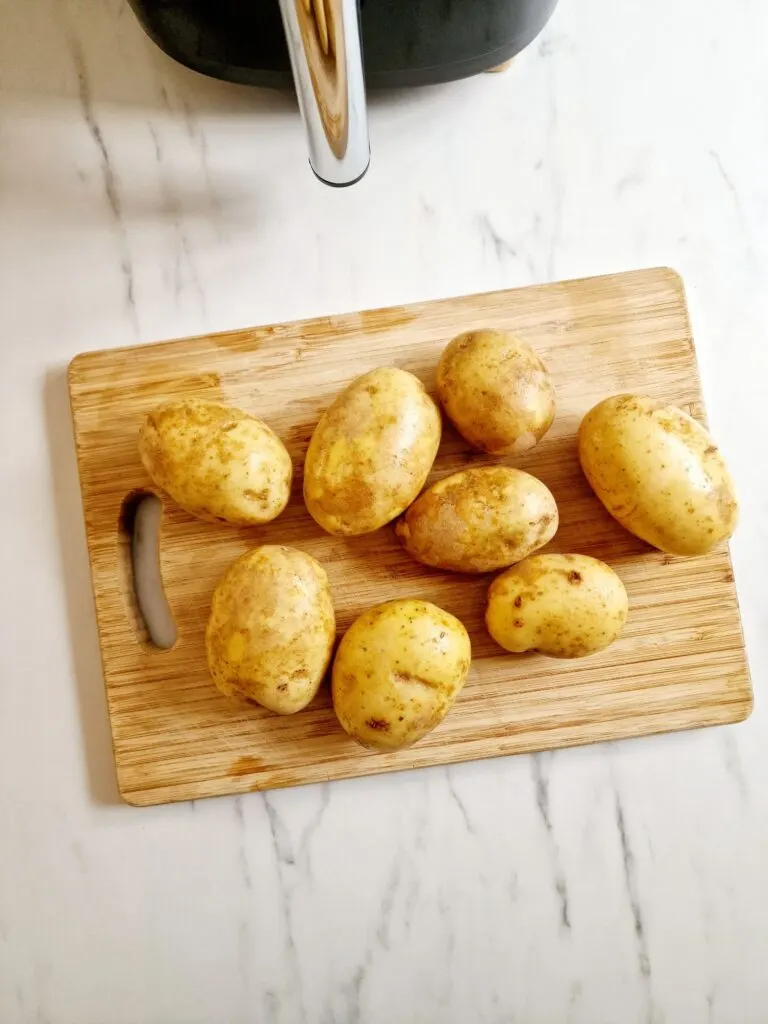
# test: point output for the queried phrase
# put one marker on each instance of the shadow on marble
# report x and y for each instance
(74, 575)
(96, 110)
(53, 48)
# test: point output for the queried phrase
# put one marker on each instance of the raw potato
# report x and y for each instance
(216, 462)
(371, 452)
(496, 391)
(479, 520)
(658, 473)
(271, 628)
(397, 672)
(565, 606)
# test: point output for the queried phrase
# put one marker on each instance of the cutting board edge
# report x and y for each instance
(735, 712)
(82, 359)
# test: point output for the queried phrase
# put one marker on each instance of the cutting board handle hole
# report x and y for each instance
(140, 520)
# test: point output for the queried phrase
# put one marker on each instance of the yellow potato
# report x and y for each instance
(479, 520)
(658, 473)
(271, 628)
(496, 391)
(397, 672)
(565, 606)
(371, 452)
(216, 462)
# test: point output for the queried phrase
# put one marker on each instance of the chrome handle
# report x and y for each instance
(327, 61)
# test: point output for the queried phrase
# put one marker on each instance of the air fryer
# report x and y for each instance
(330, 50)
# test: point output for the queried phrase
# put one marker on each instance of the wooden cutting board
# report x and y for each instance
(679, 663)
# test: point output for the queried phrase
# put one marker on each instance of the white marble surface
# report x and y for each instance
(607, 885)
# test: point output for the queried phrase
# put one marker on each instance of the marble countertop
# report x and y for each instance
(614, 884)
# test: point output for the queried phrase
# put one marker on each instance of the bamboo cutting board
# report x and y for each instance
(680, 662)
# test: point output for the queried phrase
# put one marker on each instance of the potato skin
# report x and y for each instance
(565, 606)
(658, 473)
(216, 462)
(397, 672)
(371, 452)
(496, 391)
(479, 520)
(271, 629)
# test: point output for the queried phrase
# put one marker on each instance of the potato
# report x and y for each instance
(271, 628)
(479, 520)
(658, 473)
(565, 606)
(371, 452)
(397, 672)
(496, 391)
(216, 462)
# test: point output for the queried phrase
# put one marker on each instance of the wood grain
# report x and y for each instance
(680, 662)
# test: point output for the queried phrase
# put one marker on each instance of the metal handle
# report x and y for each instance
(327, 60)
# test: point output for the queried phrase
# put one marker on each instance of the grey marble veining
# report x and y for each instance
(615, 884)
